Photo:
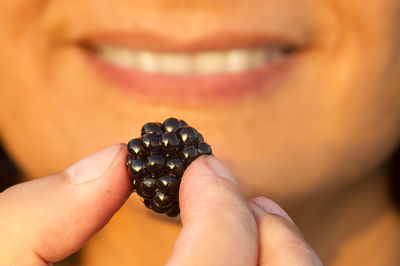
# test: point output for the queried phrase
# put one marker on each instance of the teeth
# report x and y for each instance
(229, 61)
(146, 61)
(121, 56)
(175, 63)
(240, 60)
(209, 62)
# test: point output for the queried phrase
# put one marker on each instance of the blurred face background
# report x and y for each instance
(301, 99)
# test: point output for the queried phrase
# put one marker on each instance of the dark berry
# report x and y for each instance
(172, 125)
(129, 160)
(150, 142)
(204, 148)
(159, 209)
(135, 148)
(176, 166)
(152, 128)
(155, 164)
(147, 202)
(146, 187)
(157, 160)
(189, 154)
(137, 168)
(163, 199)
(168, 183)
(170, 144)
(201, 138)
(188, 135)
(174, 211)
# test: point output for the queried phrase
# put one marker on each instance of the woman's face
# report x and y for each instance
(298, 97)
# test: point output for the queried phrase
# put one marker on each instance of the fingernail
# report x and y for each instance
(93, 165)
(220, 169)
(271, 207)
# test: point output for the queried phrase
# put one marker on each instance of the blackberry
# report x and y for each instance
(156, 162)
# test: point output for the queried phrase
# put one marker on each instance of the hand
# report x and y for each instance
(219, 226)
(47, 219)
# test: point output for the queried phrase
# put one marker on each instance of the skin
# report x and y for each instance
(319, 139)
(82, 198)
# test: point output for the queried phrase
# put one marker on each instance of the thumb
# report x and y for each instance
(218, 225)
(47, 219)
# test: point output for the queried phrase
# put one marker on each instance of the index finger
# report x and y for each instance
(281, 242)
(218, 226)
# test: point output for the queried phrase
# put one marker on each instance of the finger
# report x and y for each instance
(47, 219)
(281, 242)
(218, 226)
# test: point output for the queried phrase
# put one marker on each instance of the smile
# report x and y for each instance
(204, 70)
(194, 63)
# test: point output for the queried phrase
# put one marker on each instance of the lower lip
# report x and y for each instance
(192, 88)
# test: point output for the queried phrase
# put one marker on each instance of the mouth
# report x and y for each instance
(196, 73)
(194, 63)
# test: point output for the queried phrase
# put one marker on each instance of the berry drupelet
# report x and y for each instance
(156, 162)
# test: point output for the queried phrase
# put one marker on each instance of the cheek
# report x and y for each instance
(341, 119)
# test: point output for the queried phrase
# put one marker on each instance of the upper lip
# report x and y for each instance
(153, 30)
(209, 42)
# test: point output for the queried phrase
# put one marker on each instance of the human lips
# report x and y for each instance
(207, 65)
(191, 75)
